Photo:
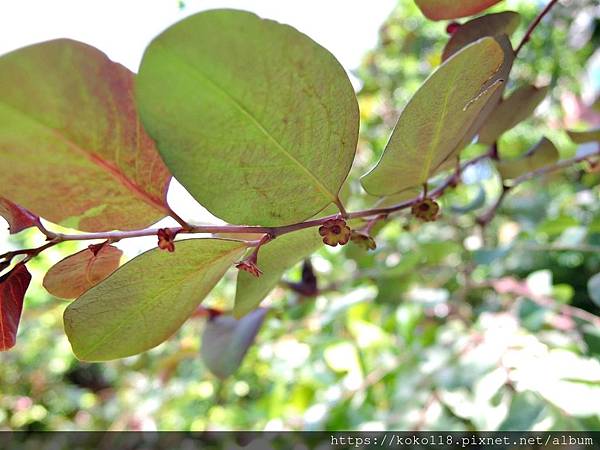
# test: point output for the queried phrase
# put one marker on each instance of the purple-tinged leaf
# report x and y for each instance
(226, 340)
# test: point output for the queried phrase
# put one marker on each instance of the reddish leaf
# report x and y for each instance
(75, 274)
(489, 25)
(12, 292)
(452, 9)
(71, 136)
(18, 218)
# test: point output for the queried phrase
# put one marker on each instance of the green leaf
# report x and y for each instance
(437, 118)
(226, 340)
(593, 286)
(581, 137)
(394, 199)
(273, 259)
(489, 25)
(490, 104)
(511, 111)
(70, 134)
(146, 300)
(256, 120)
(452, 9)
(542, 154)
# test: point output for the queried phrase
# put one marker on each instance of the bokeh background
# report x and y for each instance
(443, 327)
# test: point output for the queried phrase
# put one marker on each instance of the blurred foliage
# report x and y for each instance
(419, 334)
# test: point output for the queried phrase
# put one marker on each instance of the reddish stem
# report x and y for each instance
(533, 26)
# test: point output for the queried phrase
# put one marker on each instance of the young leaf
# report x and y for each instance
(581, 137)
(593, 286)
(489, 25)
(540, 155)
(18, 218)
(226, 340)
(70, 134)
(510, 111)
(12, 292)
(77, 273)
(273, 259)
(256, 120)
(146, 300)
(452, 9)
(436, 119)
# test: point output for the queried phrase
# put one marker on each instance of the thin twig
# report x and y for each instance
(533, 26)
(509, 285)
(487, 217)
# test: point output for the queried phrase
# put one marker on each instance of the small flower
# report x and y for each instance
(363, 240)
(250, 267)
(165, 239)
(335, 231)
(427, 210)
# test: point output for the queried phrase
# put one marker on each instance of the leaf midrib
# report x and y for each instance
(115, 172)
(438, 130)
(199, 74)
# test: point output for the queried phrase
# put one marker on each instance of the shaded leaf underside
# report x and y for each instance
(540, 155)
(226, 340)
(435, 121)
(511, 111)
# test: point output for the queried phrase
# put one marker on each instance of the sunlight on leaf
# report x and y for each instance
(70, 134)
(256, 120)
